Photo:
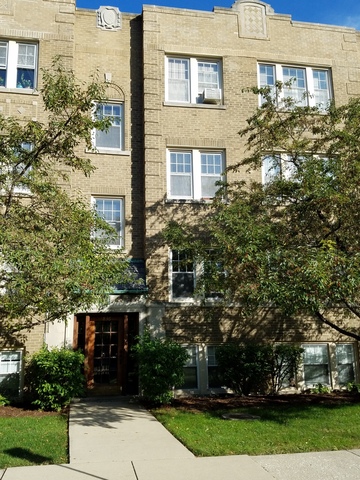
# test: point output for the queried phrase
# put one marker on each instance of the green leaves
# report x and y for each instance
(161, 367)
(292, 243)
(54, 377)
(52, 265)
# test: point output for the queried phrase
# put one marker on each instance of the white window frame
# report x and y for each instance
(352, 363)
(194, 93)
(11, 64)
(195, 173)
(212, 295)
(283, 166)
(22, 189)
(104, 134)
(309, 88)
(192, 362)
(186, 297)
(121, 236)
(325, 347)
(213, 363)
(333, 375)
(12, 366)
(280, 167)
(11, 169)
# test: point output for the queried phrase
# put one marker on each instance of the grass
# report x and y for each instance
(280, 429)
(33, 440)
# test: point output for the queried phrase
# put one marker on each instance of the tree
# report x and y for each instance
(51, 262)
(290, 242)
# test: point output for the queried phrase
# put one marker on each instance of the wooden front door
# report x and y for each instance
(106, 340)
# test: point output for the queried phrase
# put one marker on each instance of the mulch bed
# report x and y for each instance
(202, 404)
(24, 411)
(211, 403)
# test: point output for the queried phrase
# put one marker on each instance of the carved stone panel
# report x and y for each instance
(6, 7)
(109, 18)
(252, 18)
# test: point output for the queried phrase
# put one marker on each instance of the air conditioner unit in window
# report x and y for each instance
(212, 95)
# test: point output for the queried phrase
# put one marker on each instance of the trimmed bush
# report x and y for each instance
(244, 368)
(161, 367)
(253, 368)
(54, 377)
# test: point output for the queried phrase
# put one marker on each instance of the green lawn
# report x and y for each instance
(280, 429)
(33, 440)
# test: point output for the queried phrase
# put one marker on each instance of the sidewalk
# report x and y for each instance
(113, 439)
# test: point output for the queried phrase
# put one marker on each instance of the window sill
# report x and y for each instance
(183, 301)
(26, 91)
(196, 105)
(110, 151)
(203, 201)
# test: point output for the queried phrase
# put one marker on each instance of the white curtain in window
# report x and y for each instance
(181, 174)
(321, 88)
(26, 56)
(211, 169)
(297, 89)
(178, 80)
(208, 75)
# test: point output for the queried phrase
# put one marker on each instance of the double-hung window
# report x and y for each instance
(16, 169)
(18, 64)
(10, 371)
(329, 364)
(274, 167)
(345, 363)
(287, 167)
(316, 365)
(214, 379)
(111, 139)
(193, 80)
(306, 86)
(182, 269)
(191, 368)
(193, 174)
(112, 211)
(22, 170)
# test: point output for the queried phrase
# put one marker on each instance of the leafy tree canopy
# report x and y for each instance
(290, 239)
(51, 264)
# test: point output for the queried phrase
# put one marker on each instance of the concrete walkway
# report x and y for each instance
(118, 440)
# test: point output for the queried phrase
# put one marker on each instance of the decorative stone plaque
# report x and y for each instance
(109, 18)
(252, 18)
(6, 7)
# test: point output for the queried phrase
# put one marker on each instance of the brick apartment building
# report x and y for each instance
(176, 82)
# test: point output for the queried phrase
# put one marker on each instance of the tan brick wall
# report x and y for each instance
(220, 34)
(215, 325)
(31, 340)
(52, 30)
(135, 57)
(118, 53)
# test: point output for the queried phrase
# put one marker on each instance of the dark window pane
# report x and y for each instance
(190, 376)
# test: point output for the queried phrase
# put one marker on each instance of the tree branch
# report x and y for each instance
(336, 327)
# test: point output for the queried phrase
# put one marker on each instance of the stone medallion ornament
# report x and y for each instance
(109, 18)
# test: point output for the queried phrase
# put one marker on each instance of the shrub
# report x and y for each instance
(161, 367)
(244, 368)
(4, 401)
(54, 377)
(252, 368)
(284, 365)
(353, 387)
(320, 388)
